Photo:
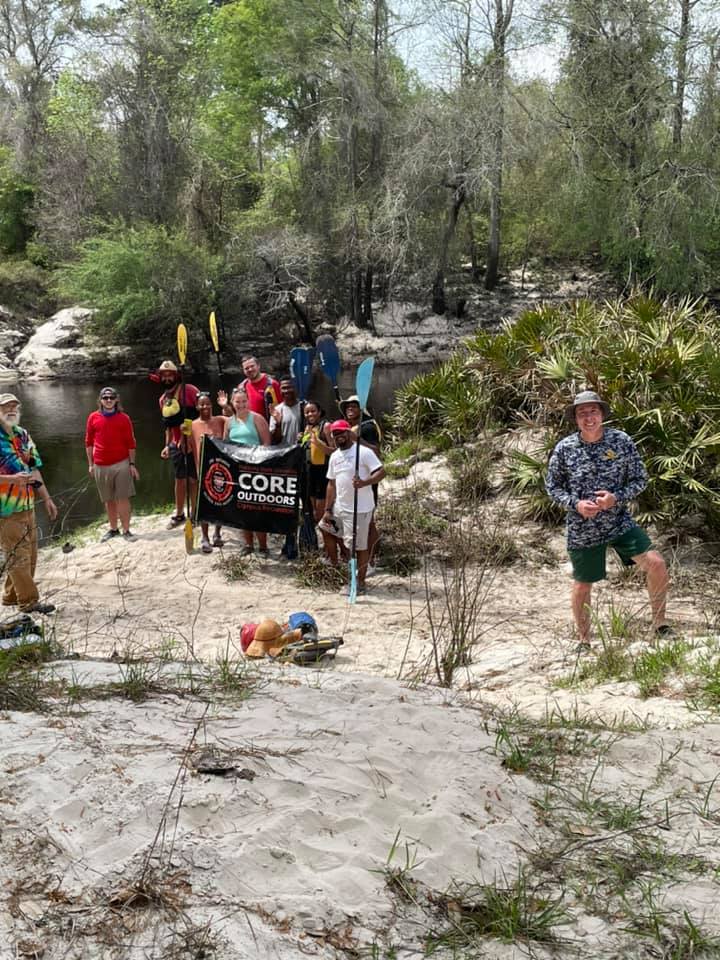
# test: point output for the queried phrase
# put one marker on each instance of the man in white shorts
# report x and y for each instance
(337, 520)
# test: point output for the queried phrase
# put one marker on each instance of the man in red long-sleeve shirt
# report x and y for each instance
(110, 447)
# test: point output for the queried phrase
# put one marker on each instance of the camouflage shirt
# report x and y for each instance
(578, 469)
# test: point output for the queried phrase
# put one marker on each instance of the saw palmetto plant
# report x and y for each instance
(657, 363)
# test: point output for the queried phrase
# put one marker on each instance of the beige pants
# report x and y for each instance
(18, 540)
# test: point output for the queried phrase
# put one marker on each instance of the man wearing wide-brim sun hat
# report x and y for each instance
(594, 474)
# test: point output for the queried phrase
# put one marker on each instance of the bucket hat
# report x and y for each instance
(8, 398)
(353, 399)
(587, 396)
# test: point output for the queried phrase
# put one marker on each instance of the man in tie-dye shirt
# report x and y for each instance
(20, 481)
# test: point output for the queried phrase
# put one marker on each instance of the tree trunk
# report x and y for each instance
(681, 75)
(459, 195)
(500, 27)
(475, 270)
(367, 299)
(301, 318)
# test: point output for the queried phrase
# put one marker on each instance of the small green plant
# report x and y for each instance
(232, 674)
(532, 754)
(677, 935)
(21, 683)
(397, 876)
(516, 912)
(704, 691)
(608, 811)
(138, 680)
(652, 667)
(526, 475)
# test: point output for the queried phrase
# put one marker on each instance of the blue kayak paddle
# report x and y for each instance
(363, 382)
(329, 360)
(301, 364)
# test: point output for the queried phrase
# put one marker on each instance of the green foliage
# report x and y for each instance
(142, 280)
(21, 685)
(450, 400)
(511, 912)
(25, 288)
(656, 363)
(17, 197)
(649, 669)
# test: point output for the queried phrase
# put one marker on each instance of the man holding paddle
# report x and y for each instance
(349, 505)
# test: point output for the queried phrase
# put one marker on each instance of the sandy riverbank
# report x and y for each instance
(294, 812)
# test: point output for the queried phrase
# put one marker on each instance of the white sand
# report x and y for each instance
(340, 762)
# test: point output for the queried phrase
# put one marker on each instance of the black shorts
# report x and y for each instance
(183, 465)
(317, 481)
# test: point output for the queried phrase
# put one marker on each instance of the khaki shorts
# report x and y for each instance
(343, 528)
(114, 482)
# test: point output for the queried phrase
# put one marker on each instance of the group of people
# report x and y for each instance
(260, 411)
(593, 474)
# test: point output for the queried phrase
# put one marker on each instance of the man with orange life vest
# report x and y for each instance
(20, 480)
(175, 408)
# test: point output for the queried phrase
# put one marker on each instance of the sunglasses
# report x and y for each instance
(109, 396)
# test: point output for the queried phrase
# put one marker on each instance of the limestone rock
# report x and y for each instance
(64, 347)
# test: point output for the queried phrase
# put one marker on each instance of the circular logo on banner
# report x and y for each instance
(218, 484)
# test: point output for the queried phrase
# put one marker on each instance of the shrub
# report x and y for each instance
(16, 201)
(656, 363)
(409, 531)
(472, 473)
(24, 288)
(142, 281)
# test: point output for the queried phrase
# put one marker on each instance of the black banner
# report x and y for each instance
(252, 488)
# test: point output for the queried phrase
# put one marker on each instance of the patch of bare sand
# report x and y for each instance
(285, 857)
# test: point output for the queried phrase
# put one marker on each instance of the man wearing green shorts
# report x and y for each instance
(595, 473)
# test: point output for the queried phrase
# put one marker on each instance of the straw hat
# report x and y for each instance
(268, 639)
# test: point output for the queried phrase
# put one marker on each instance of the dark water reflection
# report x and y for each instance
(55, 413)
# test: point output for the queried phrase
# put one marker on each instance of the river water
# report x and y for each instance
(55, 413)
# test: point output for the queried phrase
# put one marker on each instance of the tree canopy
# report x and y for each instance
(358, 149)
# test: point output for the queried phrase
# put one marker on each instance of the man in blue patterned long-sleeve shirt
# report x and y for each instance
(594, 473)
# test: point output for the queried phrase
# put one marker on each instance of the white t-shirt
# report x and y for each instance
(341, 469)
(290, 422)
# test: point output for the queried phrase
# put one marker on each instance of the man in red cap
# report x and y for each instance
(175, 409)
(342, 484)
